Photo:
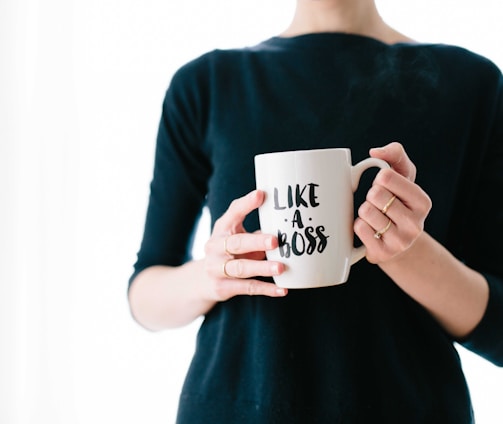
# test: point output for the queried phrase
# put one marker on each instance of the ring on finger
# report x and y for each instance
(378, 234)
(387, 205)
(224, 270)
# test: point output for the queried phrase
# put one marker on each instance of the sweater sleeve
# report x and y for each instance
(181, 171)
(485, 242)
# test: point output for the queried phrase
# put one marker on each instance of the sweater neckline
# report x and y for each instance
(320, 40)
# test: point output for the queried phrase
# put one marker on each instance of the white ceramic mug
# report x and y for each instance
(309, 207)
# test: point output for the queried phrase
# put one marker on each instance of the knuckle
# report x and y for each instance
(398, 150)
(413, 171)
(219, 223)
(234, 205)
(359, 226)
(373, 194)
(238, 268)
(234, 243)
(397, 146)
(252, 288)
(365, 209)
(220, 289)
(385, 176)
(426, 205)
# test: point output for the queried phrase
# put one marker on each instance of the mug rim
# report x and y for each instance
(346, 150)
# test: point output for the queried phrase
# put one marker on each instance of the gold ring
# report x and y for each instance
(387, 205)
(224, 270)
(378, 234)
(225, 246)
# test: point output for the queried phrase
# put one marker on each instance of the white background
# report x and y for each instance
(81, 86)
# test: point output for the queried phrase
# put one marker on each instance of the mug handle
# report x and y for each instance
(356, 173)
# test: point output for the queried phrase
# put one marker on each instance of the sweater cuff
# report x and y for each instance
(486, 339)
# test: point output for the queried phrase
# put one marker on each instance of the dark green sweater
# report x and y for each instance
(364, 351)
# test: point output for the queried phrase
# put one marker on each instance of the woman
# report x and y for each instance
(379, 348)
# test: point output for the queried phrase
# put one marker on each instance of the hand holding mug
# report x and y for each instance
(234, 256)
(403, 218)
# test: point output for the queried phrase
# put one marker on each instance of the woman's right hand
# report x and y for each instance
(234, 256)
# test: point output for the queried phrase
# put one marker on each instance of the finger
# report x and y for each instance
(246, 268)
(395, 155)
(243, 243)
(393, 240)
(230, 288)
(377, 249)
(251, 246)
(374, 217)
(408, 221)
(231, 221)
(381, 198)
(410, 194)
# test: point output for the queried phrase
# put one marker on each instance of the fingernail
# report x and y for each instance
(280, 268)
(281, 291)
(269, 243)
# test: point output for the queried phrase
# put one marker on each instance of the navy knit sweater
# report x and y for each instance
(364, 351)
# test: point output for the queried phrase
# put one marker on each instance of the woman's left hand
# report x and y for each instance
(392, 217)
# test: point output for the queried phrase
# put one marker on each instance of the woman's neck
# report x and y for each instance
(349, 16)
